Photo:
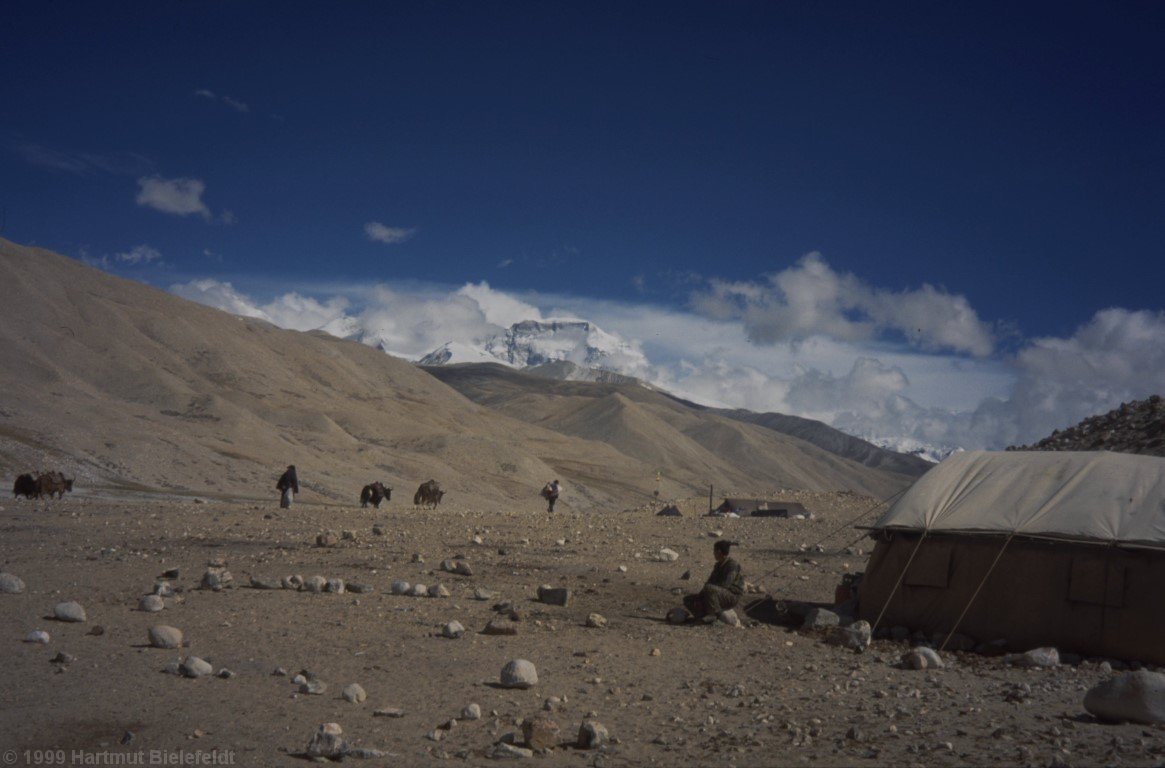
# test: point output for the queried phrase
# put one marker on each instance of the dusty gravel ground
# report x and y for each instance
(762, 695)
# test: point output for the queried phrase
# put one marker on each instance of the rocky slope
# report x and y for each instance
(1136, 427)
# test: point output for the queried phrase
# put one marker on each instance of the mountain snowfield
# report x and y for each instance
(578, 350)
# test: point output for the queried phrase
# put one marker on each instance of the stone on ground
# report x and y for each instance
(328, 742)
(401, 588)
(163, 636)
(471, 712)
(730, 618)
(315, 584)
(453, 630)
(592, 734)
(1136, 697)
(519, 673)
(354, 693)
(70, 610)
(554, 595)
(540, 732)
(678, 615)
(151, 604)
(193, 666)
(1036, 657)
(596, 621)
(37, 636)
(821, 618)
(922, 658)
(503, 751)
(11, 584)
(856, 636)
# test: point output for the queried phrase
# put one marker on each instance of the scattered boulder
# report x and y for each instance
(519, 673)
(70, 611)
(500, 627)
(554, 595)
(856, 636)
(453, 630)
(10, 584)
(37, 636)
(821, 618)
(678, 615)
(922, 658)
(401, 588)
(459, 567)
(666, 555)
(438, 590)
(596, 621)
(419, 590)
(292, 582)
(315, 584)
(313, 686)
(730, 618)
(328, 742)
(163, 589)
(483, 594)
(1137, 697)
(63, 658)
(151, 604)
(258, 582)
(540, 732)
(503, 751)
(592, 734)
(217, 579)
(163, 636)
(388, 712)
(471, 712)
(1036, 657)
(335, 586)
(193, 666)
(354, 693)
(360, 589)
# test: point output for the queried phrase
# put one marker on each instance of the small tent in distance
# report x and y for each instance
(1041, 548)
(762, 508)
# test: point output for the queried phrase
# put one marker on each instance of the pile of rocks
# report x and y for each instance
(1136, 427)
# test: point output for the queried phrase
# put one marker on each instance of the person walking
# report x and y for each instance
(550, 492)
(723, 588)
(287, 486)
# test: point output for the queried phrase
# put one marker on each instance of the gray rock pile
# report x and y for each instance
(1136, 427)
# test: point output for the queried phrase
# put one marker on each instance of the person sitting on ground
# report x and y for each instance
(287, 486)
(723, 589)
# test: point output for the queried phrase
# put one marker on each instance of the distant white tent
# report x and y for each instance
(1057, 548)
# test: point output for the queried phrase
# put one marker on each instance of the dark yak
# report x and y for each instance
(25, 485)
(375, 493)
(428, 495)
(51, 483)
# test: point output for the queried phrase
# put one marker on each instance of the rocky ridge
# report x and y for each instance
(1136, 427)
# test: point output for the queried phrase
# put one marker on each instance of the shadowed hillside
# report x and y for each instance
(131, 387)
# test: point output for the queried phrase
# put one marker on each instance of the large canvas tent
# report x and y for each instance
(1035, 548)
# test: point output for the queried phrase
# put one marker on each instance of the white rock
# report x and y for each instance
(1037, 657)
(328, 742)
(666, 555)
(1137, 697)
(519, 673)
(196, 667)
(354, 693)
(335, 585)
(922, 658)
(438, 590)
(730, 618)
(419, 590)
(10, 584)
(163, 636)
(37, 636)
(401, 587)
(69, 611)
(151, 604)
(453, 630)
(315, 584)
(163, 589)
(596, 621)
(471, 712)
(502, 751)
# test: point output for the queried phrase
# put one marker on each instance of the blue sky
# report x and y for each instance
(948, 190)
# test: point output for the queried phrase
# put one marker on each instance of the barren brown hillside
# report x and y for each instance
(128, 386)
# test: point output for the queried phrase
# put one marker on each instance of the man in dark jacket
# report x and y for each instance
(287, 486)
(723, 589)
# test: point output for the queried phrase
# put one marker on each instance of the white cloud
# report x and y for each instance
(236, 104)
(140, 254)
(810, 299)
(388, 235)
(869, 387)
(499, 308)
(179, 196)
(220, 295)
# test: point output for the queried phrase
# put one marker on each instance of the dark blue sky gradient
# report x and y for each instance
(1010, 152)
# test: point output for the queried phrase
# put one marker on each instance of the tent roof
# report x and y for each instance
(1084, 496)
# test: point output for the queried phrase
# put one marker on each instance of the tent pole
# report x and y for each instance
(898, 583)
(967, 607)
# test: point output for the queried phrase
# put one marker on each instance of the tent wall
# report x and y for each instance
(1086, 599)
